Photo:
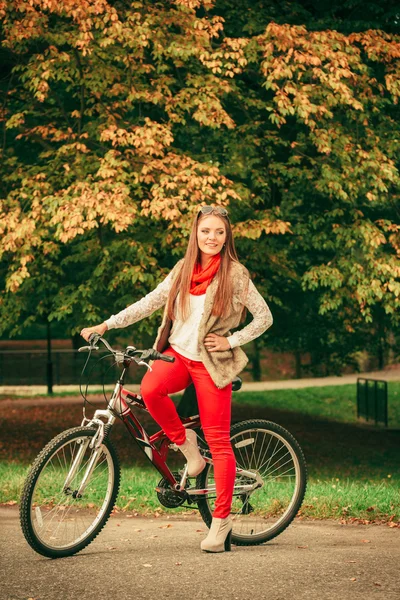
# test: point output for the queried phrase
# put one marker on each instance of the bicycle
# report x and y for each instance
(73, 484)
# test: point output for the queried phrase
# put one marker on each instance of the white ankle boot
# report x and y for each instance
(190, 450)
(219, 536)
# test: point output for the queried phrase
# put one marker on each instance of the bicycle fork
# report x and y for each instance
(76, 465)
(103, 429)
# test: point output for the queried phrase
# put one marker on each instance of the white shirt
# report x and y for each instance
(184, 334)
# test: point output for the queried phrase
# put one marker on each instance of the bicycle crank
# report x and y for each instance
(169, 497)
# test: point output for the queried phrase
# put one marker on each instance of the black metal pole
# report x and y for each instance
(49, 361)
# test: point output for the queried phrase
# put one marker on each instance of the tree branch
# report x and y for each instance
(82, 95)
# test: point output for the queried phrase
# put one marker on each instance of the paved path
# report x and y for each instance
(144, 559)
(391, 374)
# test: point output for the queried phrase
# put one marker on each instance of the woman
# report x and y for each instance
(205, 296)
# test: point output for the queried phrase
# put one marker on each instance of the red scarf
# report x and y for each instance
(201, 278)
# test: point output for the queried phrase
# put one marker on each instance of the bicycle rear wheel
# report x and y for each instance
(56, 519)
(278, 482)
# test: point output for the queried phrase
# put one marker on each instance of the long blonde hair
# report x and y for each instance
(223, 299)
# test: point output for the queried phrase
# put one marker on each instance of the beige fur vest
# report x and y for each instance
(222, 366)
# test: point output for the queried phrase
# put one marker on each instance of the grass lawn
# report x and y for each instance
(336, 402)
(346, 499)
(353, 470)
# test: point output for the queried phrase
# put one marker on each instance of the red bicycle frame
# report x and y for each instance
(146, 442)
(120, 406)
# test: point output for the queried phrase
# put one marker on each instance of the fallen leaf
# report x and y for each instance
(111, 547)
(165, 526)
(377, 584)
(366, 541)
(353, 578)
(137, 530)
(179, 563)
(302, 546)
(127, 505)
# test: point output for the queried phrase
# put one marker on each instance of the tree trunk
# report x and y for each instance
(381, 344)
(49, 360)
(77, 341)
(255, 362)
(298, 366)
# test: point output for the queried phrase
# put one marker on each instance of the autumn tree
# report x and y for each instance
(95, 95)
(120, 118)
(316, 144)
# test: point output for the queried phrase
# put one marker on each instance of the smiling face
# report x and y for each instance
(211, 236)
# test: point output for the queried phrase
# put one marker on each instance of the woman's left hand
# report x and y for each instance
(216, 343)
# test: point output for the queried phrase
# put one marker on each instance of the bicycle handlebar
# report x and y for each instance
(130, 352)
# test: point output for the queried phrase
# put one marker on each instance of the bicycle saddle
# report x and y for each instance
(236, 384)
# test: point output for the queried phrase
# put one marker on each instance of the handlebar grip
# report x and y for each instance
(94, 337)
(158, 356)
(167, 358)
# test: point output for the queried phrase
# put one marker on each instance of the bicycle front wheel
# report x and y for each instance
(69, 493)
(267, 497)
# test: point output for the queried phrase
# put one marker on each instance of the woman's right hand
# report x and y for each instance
(87, 331)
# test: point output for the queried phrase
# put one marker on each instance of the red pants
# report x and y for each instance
(214, 410)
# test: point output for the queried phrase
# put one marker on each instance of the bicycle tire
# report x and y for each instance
(280, 435)
(35, 520)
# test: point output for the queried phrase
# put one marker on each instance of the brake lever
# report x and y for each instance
(146, 355)
(142, 362)
(87, 348)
